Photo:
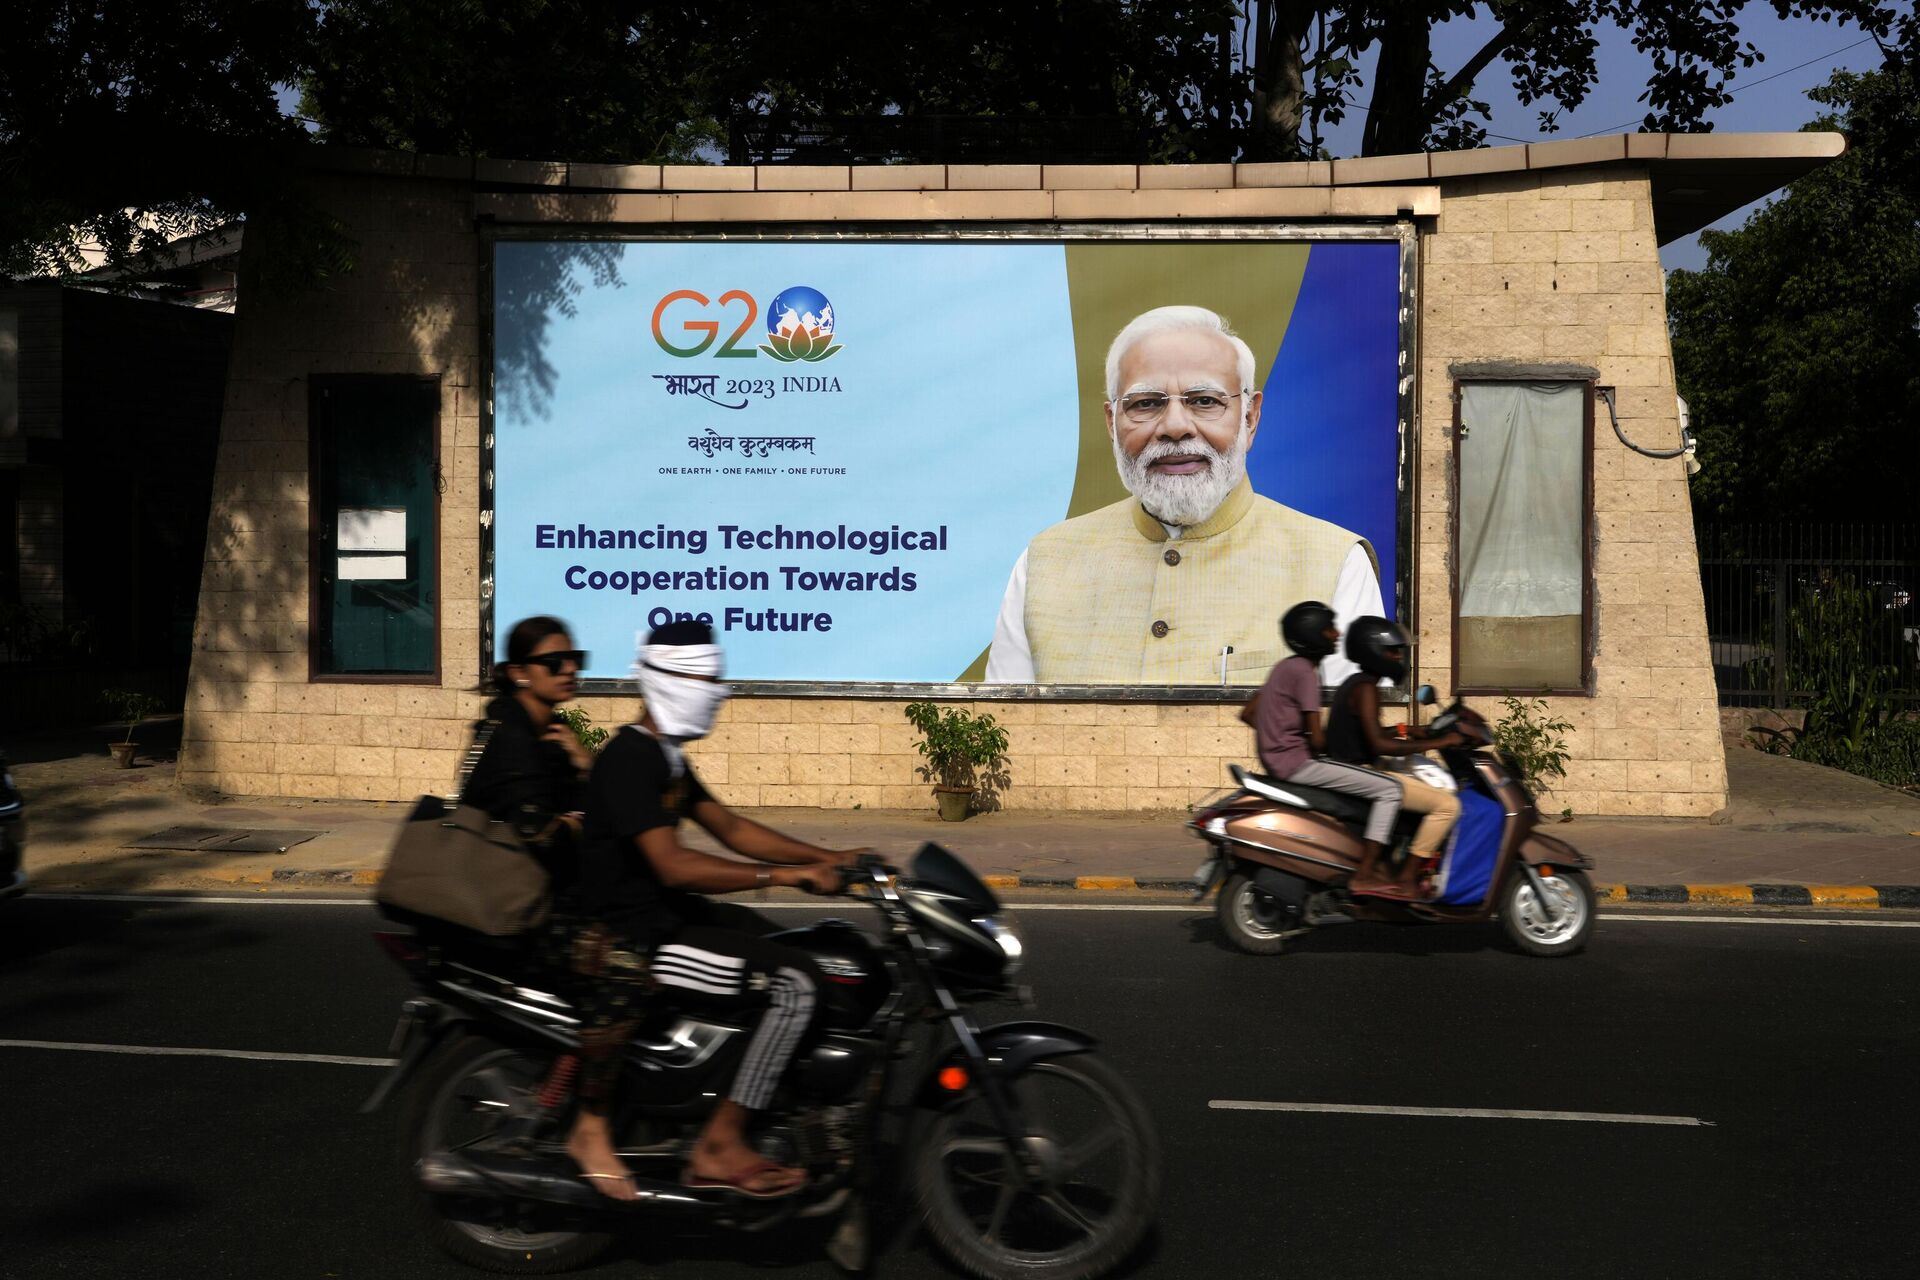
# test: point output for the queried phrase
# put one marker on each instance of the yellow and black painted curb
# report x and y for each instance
(1764, 895)
(1903, 896)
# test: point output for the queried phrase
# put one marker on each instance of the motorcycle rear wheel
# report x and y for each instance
(472, 1086)
(1250, 918)
(1101, 1159)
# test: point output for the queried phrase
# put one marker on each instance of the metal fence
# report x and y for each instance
(1789, 605)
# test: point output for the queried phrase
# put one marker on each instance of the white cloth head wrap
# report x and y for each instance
(682, 709)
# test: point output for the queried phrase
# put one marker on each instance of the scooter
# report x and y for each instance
(1281, 855)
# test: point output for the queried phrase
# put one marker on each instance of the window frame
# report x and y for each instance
(317, 386)
(1589, 380)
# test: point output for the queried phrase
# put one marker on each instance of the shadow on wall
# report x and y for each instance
(412, 305)
(533, 281)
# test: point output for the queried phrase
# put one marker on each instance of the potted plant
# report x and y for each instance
(132, 706)
(956, 744)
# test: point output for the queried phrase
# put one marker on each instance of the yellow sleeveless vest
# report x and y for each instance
(1112, 600)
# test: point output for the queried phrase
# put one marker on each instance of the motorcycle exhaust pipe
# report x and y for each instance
(484, 1176)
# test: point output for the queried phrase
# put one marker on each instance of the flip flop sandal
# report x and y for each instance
(736, 1184)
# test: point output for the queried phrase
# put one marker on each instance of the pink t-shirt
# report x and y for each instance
(1280, 721)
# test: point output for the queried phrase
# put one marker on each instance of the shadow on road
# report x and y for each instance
(63, 957)
(107, 1209)
(1368, 937)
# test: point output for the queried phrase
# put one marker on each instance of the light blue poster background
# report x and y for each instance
(950, 405)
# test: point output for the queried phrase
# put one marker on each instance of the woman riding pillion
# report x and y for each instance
(532, 773)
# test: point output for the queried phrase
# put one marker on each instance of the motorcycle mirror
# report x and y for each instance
(1426, 695)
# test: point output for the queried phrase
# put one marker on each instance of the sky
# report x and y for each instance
(1767, 97)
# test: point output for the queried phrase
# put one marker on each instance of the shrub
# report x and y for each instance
(591, 736)
(1535, 741)
(131, 705)
(956, 744)
(1848, 652)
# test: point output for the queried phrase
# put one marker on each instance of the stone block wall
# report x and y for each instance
(1563, 266)
(1555, 265)
(255, 725)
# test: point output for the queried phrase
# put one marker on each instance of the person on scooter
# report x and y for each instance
(1285, 715)
(647, 923)
(1355, 736)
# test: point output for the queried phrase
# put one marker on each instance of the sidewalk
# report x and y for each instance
(1802, 833)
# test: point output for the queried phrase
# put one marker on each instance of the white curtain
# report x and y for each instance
(1520, 499)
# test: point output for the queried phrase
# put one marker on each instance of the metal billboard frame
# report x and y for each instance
(1401, 230)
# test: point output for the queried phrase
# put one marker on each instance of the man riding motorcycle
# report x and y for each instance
(644, 921)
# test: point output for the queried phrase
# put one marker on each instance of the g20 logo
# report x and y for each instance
(799, 325)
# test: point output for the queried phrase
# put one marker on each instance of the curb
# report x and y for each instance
(1851, 896)
(1764, 895)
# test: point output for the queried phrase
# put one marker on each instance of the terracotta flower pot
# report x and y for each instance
(123, 753)
(955, 802)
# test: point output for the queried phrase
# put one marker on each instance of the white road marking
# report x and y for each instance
(1467, 1113)
(1633, 917)
(169, 1051)
(1652, 918)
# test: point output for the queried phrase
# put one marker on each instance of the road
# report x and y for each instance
(1794, 1042)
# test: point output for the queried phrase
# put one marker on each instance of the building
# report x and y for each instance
(110, 410)
(385, 444)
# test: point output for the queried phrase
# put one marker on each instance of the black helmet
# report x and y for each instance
(1368, 640)
(1304, 628)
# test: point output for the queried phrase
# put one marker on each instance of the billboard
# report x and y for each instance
(914, 461)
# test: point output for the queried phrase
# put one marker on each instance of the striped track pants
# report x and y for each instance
(730, 971)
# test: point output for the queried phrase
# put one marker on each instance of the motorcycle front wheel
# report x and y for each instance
(470, 1091)
(1098, 1184)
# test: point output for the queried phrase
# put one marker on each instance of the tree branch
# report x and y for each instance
(1462, 80)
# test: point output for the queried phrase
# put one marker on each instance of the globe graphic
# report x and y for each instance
(800, 307)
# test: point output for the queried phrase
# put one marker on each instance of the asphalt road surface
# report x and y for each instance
(1794, 1044)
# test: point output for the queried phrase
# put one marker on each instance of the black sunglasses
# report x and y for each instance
(559, 658)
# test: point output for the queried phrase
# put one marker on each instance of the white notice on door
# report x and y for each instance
(372, 568)
(373, 529)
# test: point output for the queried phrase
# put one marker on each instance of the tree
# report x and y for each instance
(1798, 346)
(1303, 60)
(592, 80)
(634, 81)
(127, 123)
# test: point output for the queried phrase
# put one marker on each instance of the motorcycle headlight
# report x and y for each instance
(1006, 935)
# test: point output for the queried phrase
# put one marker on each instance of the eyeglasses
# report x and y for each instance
(558, 659)
(1144, 407)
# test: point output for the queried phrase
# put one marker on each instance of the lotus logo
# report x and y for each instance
(800, 326)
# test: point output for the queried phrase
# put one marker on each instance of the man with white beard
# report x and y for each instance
(1151, 589)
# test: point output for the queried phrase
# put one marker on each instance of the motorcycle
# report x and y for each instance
(1283, 853)
(1026, 1153)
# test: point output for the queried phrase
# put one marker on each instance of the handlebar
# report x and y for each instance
(866, 869)
(1464, 720)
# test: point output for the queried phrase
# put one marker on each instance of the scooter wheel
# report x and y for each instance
(1253, 921)
(1529, 927)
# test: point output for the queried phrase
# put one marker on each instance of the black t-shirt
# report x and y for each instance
(633, 790)
(1346, 736)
